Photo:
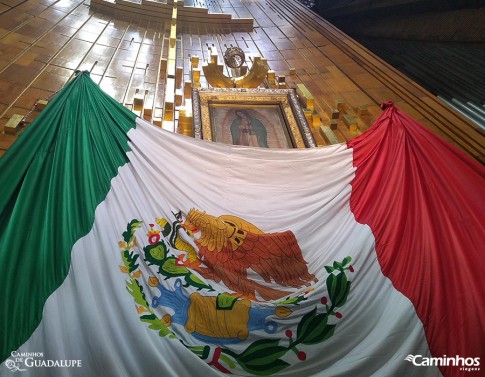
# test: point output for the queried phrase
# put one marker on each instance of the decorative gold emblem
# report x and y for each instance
(235, 59)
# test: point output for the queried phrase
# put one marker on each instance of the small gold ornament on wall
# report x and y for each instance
(235, 60)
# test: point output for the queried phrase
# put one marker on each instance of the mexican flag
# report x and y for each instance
(126, 250)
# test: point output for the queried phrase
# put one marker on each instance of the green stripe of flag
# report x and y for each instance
(52, 180)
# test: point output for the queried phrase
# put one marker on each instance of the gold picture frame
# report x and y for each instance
(269, 118)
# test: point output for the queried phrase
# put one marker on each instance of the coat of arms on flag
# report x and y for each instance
(228, 329)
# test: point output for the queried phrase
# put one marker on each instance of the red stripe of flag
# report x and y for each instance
(425, 202)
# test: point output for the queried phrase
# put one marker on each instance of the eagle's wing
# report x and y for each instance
(275, 256)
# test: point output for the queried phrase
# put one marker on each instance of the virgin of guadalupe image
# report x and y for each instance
(249, 131)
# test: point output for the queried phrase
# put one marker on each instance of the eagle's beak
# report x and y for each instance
(190, 228)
